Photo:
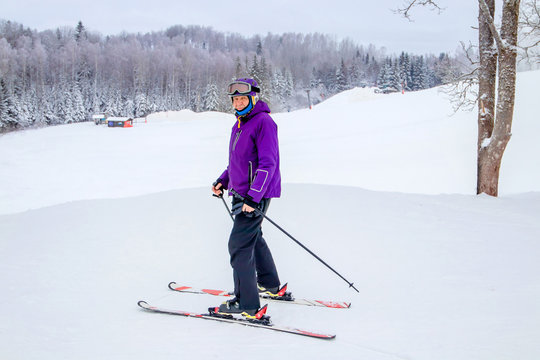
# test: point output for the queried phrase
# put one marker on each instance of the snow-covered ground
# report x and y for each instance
(380, 186)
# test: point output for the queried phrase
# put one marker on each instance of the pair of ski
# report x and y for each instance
(266, 324)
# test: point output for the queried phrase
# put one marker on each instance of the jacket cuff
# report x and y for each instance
(248, 200)
(255, 196)
(223, 183)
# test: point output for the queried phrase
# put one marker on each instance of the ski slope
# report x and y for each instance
(382, 187)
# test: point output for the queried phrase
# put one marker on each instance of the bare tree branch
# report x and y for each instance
(409, 4)
(529, 27)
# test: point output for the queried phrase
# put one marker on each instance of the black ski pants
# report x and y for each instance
(251, 258)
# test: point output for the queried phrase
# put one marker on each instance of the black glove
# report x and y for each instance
(248, 200)
(237, 205)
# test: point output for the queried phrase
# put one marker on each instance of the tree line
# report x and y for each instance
(63, 75)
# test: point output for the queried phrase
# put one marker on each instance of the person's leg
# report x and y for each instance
(267, 275)
(241, 249)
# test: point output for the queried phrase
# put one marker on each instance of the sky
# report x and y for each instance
(364, 22)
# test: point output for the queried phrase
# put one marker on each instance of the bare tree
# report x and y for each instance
(530, 31)
(496, 75)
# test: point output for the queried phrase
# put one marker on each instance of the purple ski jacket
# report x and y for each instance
(253, 169)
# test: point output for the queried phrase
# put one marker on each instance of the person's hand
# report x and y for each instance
(247, 208)
(216, 189)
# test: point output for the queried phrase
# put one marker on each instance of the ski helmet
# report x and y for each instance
(244, 87)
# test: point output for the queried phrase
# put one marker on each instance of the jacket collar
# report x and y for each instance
(259, 107)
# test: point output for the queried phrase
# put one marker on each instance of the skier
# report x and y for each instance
(253, 172)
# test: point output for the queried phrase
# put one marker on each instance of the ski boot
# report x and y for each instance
(230, 309)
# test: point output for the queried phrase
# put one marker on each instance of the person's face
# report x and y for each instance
(240, 102)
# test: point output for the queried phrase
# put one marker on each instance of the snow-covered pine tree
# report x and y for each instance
(25, 109)
(211, 101)
(388, 79)
(288, 89)
(355, 75)
(129, 107)
(255, 70)
(141, 105)
(80, 31)
(314, 80)
(342, 82)
(113, 103)
(395, 79)
(418, 75)
(239, 70)
(47, 107)
(278, 89)
(382, 77)
(65, 107)
(4, 98)
(405, 70)
(79, 111)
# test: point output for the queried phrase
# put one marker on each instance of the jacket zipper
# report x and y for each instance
(236, 140)
(250, 173)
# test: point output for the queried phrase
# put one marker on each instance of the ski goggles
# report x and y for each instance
(241, 88)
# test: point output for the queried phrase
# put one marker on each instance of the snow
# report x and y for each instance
(382, 187)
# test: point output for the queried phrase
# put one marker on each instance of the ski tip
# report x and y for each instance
(334, 304)
(316, 335)
(143, 304)
(172, 285)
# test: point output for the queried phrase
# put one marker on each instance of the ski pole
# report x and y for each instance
(292, 237)
(224, 203)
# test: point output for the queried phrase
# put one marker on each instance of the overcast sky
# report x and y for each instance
(365, 22)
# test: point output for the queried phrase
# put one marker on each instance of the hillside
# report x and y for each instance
(406, 143)
(94, 219)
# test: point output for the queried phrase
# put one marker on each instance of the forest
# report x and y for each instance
(64, 75)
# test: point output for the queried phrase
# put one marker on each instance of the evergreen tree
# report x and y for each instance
(65, 105)
(25, 113)
(211, 101)
(314, 80)
(288, 89)
(49, 114)
(405, 70)
(129, 107)
(395, 79)
(79, 111)
(239, 70)
(418, 76)
(80, 31)
(383, 80)
(112, 103)
(255, 70)
(278, 88)
(354, 74)
(4, 101)
(341, 78)
(141, 105)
